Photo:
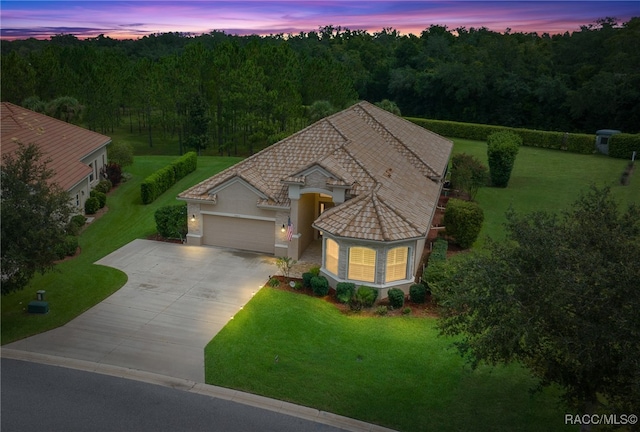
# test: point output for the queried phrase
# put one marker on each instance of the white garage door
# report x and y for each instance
(238, 233)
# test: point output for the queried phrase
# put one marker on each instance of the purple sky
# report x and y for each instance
(137, 18)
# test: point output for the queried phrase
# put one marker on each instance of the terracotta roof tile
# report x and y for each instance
(385, 161)
(65, 144)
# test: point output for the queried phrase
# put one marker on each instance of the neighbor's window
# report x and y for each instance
(331, 256)
(362, 264)
(91, 174)
(397, 264)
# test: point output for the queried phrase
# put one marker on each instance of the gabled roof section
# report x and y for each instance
(391, 168)
(63, 143)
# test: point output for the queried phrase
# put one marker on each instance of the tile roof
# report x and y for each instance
(63, 143)
(390, 166)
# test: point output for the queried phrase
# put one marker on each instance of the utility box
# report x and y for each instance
(602, 139)
(38, 307)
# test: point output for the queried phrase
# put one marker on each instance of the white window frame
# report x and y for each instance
(362, 264)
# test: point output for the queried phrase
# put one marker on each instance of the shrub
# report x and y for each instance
(418, 293)
(406, 311)
(381, 310)
(185, 164)
(91, 205)
(75, 223)
(306, 279)
(67, 247)
(439, 250)
(160, 181)
(365, 297)
(104, 186)
(344, 291)
(285, 264)
(463, 221)
(102, 197)
(297, 286)
(396, 298)
(315, 270)
(114, 173)
(171, 221)
(623, 145)
(502, 149)
(434, 273)
(274, 283)
(320, 285)
(468, 174)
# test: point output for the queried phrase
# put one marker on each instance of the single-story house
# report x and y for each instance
(77, 155)
(363, 181)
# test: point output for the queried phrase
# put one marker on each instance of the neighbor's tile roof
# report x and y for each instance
(63, 143)
(386, 162)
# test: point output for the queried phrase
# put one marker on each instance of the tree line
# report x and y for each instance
(238, 94)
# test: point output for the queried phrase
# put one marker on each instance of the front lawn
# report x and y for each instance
(392, 371)
(78, 284)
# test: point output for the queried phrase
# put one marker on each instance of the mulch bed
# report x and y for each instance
(427, 309)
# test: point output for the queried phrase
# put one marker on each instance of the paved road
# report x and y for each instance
(38, 397)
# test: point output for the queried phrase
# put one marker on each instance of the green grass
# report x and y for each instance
(395, 372)
(76, 285)
(548, 180)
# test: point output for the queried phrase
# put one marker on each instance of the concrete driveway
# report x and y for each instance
(176, 299)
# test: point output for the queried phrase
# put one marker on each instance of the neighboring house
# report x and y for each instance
(76, 155)
(364, 181)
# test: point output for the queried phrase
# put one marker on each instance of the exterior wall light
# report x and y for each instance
(193, 218)
(283, 229)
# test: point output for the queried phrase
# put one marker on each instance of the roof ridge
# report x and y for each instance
(398, 142)
(376, 200)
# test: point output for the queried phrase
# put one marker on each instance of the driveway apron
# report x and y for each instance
(177, 298)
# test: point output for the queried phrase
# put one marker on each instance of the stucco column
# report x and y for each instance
(294, 248)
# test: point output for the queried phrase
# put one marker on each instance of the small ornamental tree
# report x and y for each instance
(463, 221)
(502, 149)
(120, 153)
(171, 221)
(34, 214)
(468, 174)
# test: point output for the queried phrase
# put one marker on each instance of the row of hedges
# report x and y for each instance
(623, 145)
(434, 271)
(572, 142)
(160, 181)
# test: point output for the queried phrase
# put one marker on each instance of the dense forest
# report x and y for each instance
(240, 93)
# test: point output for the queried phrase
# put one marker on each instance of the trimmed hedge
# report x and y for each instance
(396, 298)
(439, 250)
(463, 221)
(320, 286)
(91, 205)
(571, 142)
(160, 181)
(171, 221)
(102, 197)
(502, 149)
(418, 293)
(623, 145)
(344, 291)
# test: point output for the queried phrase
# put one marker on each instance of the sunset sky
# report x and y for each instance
(137, 18)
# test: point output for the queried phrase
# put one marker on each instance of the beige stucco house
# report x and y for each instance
(76, 155)
(363, 181)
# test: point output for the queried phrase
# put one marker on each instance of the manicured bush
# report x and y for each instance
(434, 273)
(306, 279)
(502, 149)
(320, 285)
(382, 310)
(396, 298)
(418, 293)
(623, 145)
(274, 283)
(171, 221)
(91, 205)
(463, 221)
(104, 186)
(185, 164)
(102, 197)
(67, 247)
(344, 291)
(75, 224)
(297, 285)
(365, 297)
